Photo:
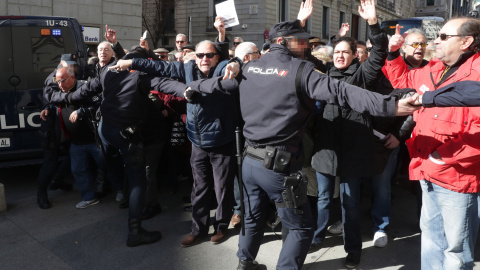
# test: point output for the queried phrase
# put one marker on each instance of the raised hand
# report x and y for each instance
(367, 11)
(110, 35)
(220, 26)
(306, 10)
(144, 44)
(343, 30)
(396, 41)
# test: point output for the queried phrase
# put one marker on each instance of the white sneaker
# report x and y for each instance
(85, 204)
(336, 228)
(119, 196)
(380, 239)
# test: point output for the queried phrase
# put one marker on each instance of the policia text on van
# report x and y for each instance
(31, 50)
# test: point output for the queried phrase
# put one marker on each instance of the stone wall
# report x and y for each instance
(122, 15)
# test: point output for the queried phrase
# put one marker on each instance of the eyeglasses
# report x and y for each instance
(445, 36)
(180, 41)
(208, 55)
(162, 56)
(416, 44)
(55, 80)
(369, 49)
(236, 43)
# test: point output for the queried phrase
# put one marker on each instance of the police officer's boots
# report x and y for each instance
(58, 183)
(42, 200)
(247, 265)
(138, 236)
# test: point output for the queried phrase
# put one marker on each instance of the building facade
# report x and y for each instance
(442, 8)
(195, 18)
(123, 16)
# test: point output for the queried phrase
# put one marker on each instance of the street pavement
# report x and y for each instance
(64, 237)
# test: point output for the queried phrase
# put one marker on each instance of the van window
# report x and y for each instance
(36, 56)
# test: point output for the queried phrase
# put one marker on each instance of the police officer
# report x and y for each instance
(277, 94)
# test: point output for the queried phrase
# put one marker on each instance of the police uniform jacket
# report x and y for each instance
(269, 104)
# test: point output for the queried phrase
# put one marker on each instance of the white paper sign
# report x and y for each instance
(227, 11)
(144, 35)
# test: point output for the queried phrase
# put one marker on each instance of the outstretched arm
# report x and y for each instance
(459, 94)
(321, 87)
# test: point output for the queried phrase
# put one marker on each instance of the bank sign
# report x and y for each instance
(91, 35)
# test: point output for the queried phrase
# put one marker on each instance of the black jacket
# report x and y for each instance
(124, 95)
(344, 140)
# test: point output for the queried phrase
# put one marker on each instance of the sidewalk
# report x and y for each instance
(64, 237)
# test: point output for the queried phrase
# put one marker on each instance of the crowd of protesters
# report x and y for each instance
(131, 131)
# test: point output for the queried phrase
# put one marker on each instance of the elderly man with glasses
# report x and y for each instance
(414, 48)
(444, 146)
(75, 122)
(180, 41)
(211, 123)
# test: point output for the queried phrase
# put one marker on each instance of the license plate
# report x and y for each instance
(4, 142)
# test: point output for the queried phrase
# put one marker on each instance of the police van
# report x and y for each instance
(31, 50)
(431, 25)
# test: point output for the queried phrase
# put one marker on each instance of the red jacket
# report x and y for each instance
(453, 132)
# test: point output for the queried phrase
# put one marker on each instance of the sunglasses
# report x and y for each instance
(180, 41)
(369, 49)
(236, 43)
(208, 55)
(416, 44)
(445, 36)
(162, 56)
(60, 81)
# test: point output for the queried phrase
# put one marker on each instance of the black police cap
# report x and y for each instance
(266, 46)
(137, 52)
(190, 47)
(69, 58)
(289, 28)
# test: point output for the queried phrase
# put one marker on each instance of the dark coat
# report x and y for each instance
(344, 141)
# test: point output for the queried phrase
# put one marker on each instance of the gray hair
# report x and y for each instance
(203, 42)
(329, 49)
(243, 49)
(181, 35)
(414, 31)
(106, 42)
(70, 70)
(241, 39)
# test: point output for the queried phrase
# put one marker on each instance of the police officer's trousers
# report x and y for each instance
(260, 186)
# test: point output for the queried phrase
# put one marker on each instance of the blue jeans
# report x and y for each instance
(449, 224)
(81, 156)
(382, 200)
(326, 185)
(350, 196)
